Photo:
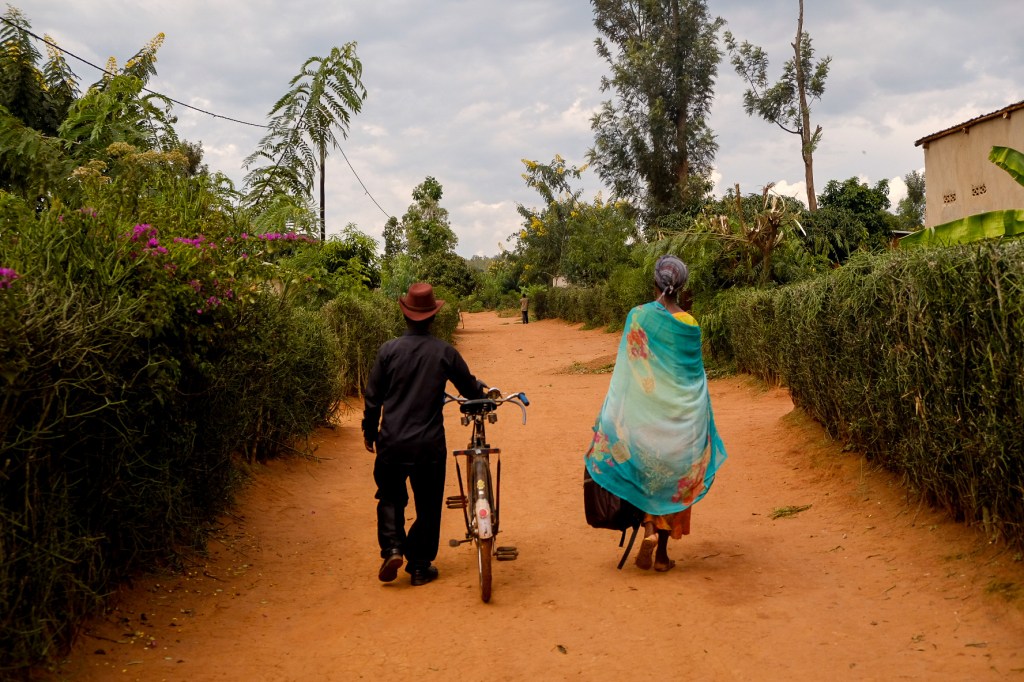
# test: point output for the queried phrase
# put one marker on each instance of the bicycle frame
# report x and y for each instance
(479, 497)
(478, 490)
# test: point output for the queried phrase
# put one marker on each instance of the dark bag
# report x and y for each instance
(607, 510)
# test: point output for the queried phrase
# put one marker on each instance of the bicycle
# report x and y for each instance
(482, 517)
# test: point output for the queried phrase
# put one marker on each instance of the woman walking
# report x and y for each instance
(655, 443)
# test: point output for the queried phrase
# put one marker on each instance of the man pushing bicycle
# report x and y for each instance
(408, 383)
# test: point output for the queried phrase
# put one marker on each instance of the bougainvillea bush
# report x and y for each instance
(139, 370)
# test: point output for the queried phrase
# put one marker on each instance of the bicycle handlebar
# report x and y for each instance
(493, 398)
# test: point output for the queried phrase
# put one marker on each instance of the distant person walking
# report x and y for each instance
(524, 305)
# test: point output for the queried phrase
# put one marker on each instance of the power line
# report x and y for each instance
(343, 155)
(187, 106)
(100, 68)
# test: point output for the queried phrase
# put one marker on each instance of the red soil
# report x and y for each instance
(864, 584)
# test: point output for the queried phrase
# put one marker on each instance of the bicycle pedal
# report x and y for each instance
(506, 553)
(455, 502)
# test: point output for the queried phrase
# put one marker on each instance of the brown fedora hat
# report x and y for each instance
(419, 304)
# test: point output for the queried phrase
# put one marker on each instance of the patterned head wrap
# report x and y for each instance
(670, 274)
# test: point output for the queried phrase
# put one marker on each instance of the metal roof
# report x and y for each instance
(962, 127)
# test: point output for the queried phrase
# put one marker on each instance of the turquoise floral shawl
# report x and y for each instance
(655, 442)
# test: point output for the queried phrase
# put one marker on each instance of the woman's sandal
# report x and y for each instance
(645, 555)
(661, 568)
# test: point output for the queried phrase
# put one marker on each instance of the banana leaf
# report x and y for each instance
(1010, 160)
(991, 225)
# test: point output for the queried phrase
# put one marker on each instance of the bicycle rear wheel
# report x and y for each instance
(484, 550)
(483, 531)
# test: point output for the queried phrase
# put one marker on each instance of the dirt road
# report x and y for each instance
(861, 585)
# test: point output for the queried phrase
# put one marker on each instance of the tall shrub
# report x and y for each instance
(915, 358)
(135, 367)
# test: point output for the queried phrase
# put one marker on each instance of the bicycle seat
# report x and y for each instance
(478, 406)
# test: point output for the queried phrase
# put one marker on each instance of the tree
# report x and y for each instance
(394, 238)
(22, 89)
(652, 143)
(61, 85)
(599, 237)
(44, 104)
(566, 237)
(499, 284)
(422, 246)
(545, 234)
(117, 111)
(39, 98)
(786, 103)
(32, 105)
(114, 109)
(425, 223)
(910, 209)
(867, 203)
(351, 252)
(31, 163)
(834, 233)
(448, 271)
(324, 95)
(752, 240)
(855, 216)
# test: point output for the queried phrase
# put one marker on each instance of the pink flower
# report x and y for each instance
(143, 231)
(7, 277)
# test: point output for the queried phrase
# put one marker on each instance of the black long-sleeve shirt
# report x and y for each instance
(407, 382)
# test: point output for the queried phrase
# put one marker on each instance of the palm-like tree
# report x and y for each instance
(322, 99)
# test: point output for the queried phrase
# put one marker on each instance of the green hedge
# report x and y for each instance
(362, 322)
(604, 305)
(917, 359)
(137, 372)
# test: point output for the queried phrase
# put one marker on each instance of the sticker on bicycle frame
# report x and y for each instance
(483, 513)
(480, 485)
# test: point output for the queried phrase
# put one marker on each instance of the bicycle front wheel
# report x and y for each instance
(484, 550)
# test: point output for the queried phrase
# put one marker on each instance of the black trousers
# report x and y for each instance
(526, 317)
(425, 472)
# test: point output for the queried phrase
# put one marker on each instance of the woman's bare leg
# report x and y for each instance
(661, 560)
(645, 555)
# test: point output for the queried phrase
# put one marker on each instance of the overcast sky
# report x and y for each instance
(462, 90)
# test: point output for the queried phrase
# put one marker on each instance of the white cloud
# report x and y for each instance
(797, 190)
(374, 130)
(462, 91)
